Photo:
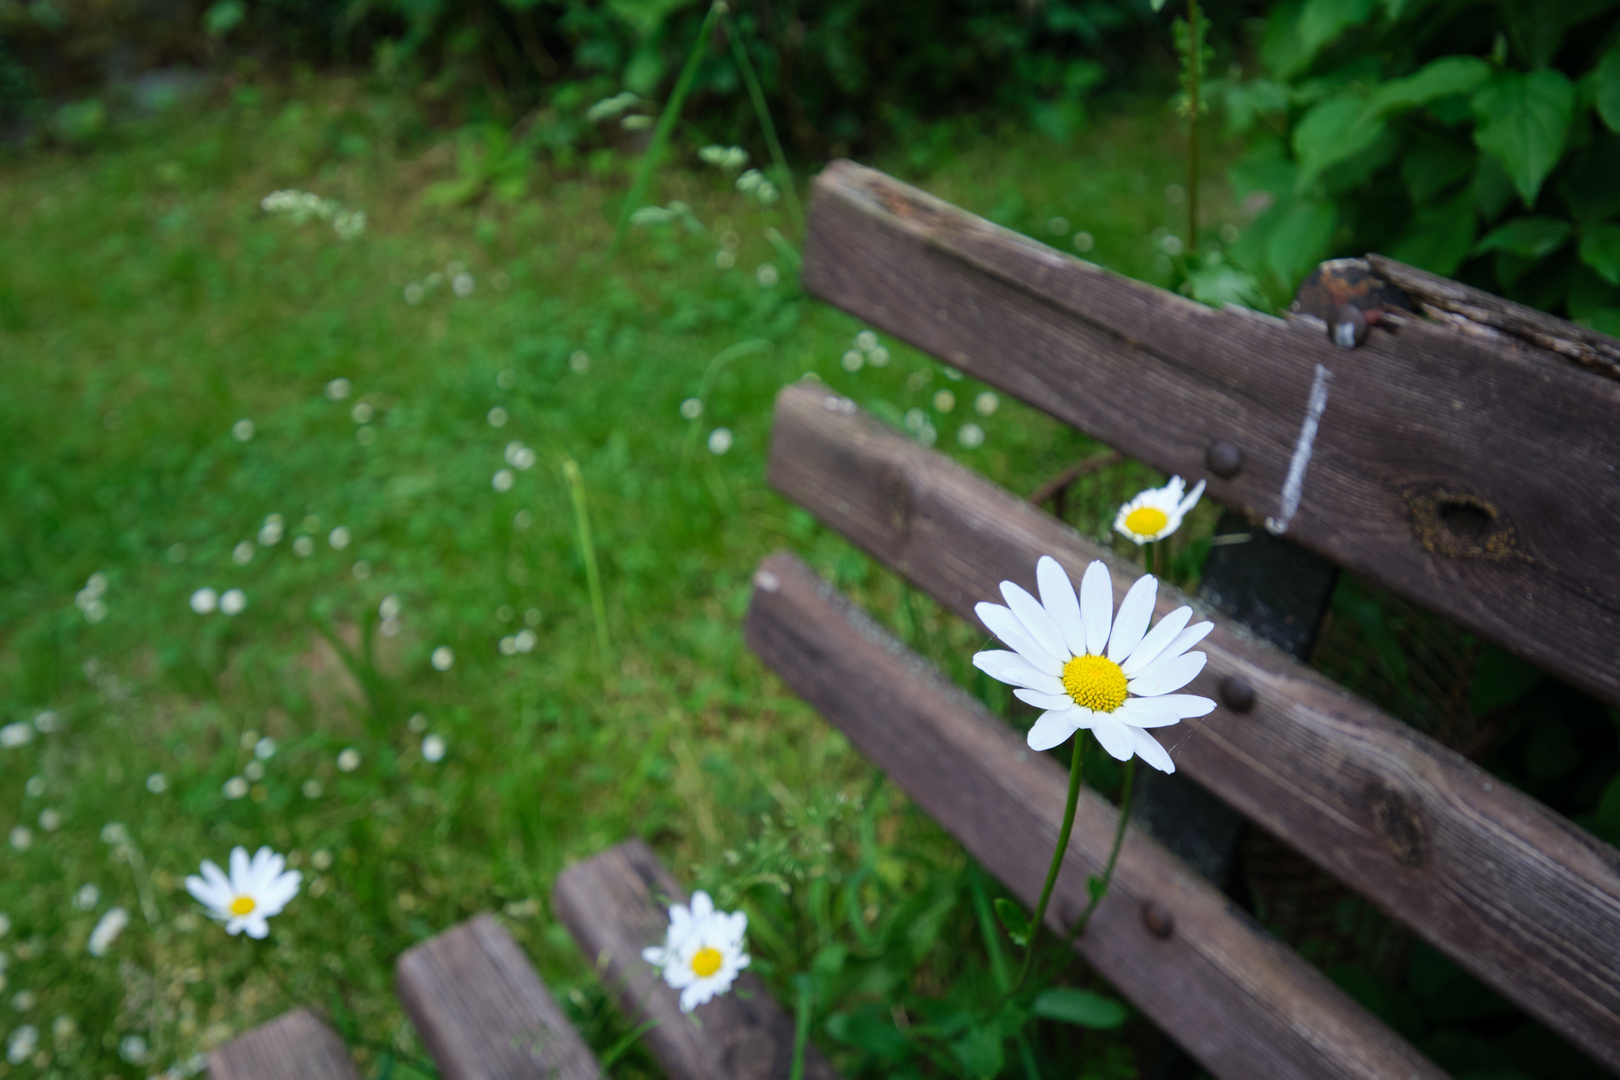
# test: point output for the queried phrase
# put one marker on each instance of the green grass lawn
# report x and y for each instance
(147, 306)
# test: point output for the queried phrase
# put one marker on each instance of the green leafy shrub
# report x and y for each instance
(1473, 139)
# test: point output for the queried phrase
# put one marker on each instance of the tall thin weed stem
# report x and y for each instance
(587, 552)
(756, 94)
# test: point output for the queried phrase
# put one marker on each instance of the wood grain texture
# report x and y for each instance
(1475, 475)
(482, 1011)
(615, 905)
(294, 1046)
(1239, 1001)
(1515, 893)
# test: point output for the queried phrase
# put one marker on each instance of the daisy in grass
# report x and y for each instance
(1157, 512)
(254, 891)
(1091, 669)
(702, 952)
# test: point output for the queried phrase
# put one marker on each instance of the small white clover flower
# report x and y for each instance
(389, 608)
(580, 361)
(853, 360)
(433, 748)
(270, 532)
(348, 759)
(692, 408)
(242, 554)
(878, 357)
(337, 389)
(235, 788)
(702, 954)
(242, 430)
(444, 658)
(362, 412)
(1088, 668)
(986, 403)
(1157, 512)
(47, 722)
(767, 276)
(265, 748)
(21, 838)
(462, 284)
(108, 927)
(944, 401)
(339, 537)
(970, 435)
(87, 897)
(719, 441)
(233, 601)
(157, 783)
(16, 734)
(496, 417)
(503, 480)
(254, 891)
(866, 341)
(304, 546)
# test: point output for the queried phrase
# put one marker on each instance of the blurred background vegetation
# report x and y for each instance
(476, 326)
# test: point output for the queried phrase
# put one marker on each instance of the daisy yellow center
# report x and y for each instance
(1146, 520)
(706, 962)
(1095, 682)
(243, 905)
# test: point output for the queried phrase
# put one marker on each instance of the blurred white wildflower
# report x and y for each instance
(242, 430)
(389, 608)
(24, 1001)
(417, 723)
(242, 553)
(133, 1049)
(944, 401)
(724, 260)
(339, 537)
(986, 403)
(433, 748)
(304, 547)
(749, 181)
(157, 783)
(532, 616)
(729, 158)
(235, 787)
(503, 480)
(271, 531)
(766, 193)
(413, 294)
(878, 357)
(866, 341)
(108, 927)
(497, 417)
(50, 820)
(522, 520)
(525, 640)
(35, 786)
(580, 361)
(46, 722)
(444, 657)
(87, 897)
(16, 734)
(63, 1028)
(608, 108)
(928, 435)
(348, 759)
(1058, 226)
(265, 748)
(311, 788)
(692, 408)
(5, 927)
(915, 419)
(1083, 241)
(21, 838)
(462, 284)
(1171, 245)
(349, 224)
(337, 389)
(970, 435)
(321, 859)
(114, 834)
(302, 206)
(767, 276)
(233, 601)
(390, 627)
(361, 569)
(506, 378)
(702, 952)
(361, 413)
(254, 771)
(719, 440)
(255, 890)
(507, 645)
(22, 1044)
(853, 360)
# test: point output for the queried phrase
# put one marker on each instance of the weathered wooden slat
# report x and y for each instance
(1477, 476)
(294, 1046)
(615, 905)
(482, 1011)
(1515, 893)
(1235, 998)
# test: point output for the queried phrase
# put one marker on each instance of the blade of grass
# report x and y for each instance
(756, 94)
(587, 552)
(666, 124)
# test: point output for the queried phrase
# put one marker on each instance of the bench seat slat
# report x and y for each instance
(1236, 999)
(1468, 471)
(615, 904)
(1512, 891)
(482, 1011)
(294, 1046)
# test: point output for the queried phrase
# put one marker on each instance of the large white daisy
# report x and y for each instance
(1091, 669)
(702, 952)
(1157, 512)
(254, 891)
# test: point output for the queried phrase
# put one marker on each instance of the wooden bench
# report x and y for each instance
(1463, 454)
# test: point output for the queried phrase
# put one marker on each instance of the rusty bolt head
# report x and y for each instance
(1237, 693)
(1224, 459)
(1159, 922)
(1348, 327)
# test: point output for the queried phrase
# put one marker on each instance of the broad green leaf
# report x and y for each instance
(1448, 75)
(1297, 237)
(1606, 321)
(980, 1052)
(1322, 21)
(1336, 129)
(1606, 83)
(1440, 237)
(1600, 249)
(1013, 920)
(1523, 122)
(1081, 1007)
(1587, 182)
(1533, 236)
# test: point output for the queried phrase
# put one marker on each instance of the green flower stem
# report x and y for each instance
(1113, 856)
(1196, 49)
(587, 552)
(756, 94)
(801, 1026)
(1057, 856)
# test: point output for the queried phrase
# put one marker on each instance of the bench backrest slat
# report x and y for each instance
(1241, 1003)
(294, 1046)
(1515, 893)
(1470, 472)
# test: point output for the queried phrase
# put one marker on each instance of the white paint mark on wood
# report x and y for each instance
(1295, 482)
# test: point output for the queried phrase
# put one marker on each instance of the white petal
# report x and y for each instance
(1142, 713)
(1052, 728)
(1191, 500)
(1043, 701)
(1114, 737)
(1005, 625)
(1034, 617)
(1057, 596)
(654, 955)
(241, 876)
(1186, 640)
(256, 927)
(1135, 612)
(1097, 606)
(695, 995)
(206, 894)
(1156, 640)
(1014, 670)
(1150, 751)
(702, 906)
(1167, 675)
(1181, 706)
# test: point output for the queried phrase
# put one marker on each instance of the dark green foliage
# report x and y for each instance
(1472, 139)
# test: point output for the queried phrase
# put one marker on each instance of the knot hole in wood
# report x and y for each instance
(1460, 525)
(1400, 824)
